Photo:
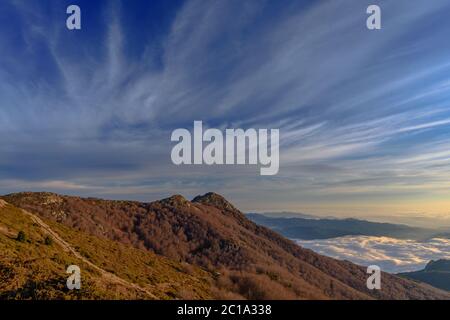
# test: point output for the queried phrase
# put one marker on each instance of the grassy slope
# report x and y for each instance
(252, 261)
(34, 270)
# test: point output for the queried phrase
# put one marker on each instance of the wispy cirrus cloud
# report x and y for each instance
(362, 114)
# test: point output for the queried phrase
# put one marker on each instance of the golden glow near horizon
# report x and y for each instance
(363, 115)
(400, 208)
(395, 208)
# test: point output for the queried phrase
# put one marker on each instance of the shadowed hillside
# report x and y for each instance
(436, 273)
(246, 260)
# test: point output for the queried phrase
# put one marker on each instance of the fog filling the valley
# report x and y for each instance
(391, 255)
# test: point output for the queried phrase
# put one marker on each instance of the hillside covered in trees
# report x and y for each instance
(159, 247)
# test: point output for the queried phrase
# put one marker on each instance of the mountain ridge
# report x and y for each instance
(325, 228)
(250, 261)
(435, 273)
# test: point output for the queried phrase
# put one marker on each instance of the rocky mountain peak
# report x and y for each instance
(215, 200)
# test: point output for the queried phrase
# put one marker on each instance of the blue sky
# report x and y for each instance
(364, 116)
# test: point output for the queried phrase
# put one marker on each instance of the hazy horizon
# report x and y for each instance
(363, 114)
(412, 219)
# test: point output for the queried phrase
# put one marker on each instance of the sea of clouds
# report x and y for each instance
(391, 255)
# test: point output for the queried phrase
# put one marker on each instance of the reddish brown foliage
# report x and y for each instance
(247, 260)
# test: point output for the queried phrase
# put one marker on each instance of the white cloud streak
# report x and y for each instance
(359, 104)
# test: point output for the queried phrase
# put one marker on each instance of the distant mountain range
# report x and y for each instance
(436, 273)
(168, 249)
(311, 229)
(288, 214)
